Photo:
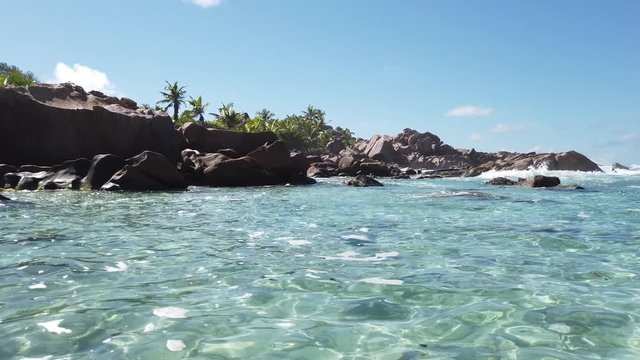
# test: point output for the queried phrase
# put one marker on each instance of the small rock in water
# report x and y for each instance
(362, 181)
(501, 181)
(541, 181)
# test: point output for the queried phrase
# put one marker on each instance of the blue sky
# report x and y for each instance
(543, 75)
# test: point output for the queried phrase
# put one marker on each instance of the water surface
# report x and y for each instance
(448, 268)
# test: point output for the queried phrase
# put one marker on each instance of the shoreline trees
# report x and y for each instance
(307, 131)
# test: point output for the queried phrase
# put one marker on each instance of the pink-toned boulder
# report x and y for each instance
(574, 161)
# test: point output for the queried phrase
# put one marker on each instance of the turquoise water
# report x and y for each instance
(417, 269)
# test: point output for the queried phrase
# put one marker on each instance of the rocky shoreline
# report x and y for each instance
(61, 137)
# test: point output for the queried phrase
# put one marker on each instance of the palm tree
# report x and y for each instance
(315, 114)
(265, 115)
(228, 117)
(173, 97)
(198, 108)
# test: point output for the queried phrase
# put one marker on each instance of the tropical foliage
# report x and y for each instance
(198, 108)
(307, 131)
(228, 118)
(172, 97)
(12, 76)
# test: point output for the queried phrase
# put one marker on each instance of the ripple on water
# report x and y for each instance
(442, 269)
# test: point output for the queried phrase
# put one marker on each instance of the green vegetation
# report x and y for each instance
(308, 131)
(12, 76)
(173, 95)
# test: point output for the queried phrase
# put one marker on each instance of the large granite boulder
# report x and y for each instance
(244, 171)
(322, 170)
(335, 147)
(274, 157)
(267, 165)
(300, 163)
(43, 180)
(102, 168)
(50, 124)
(5, 169)
(148, 171)
(440, 162)
(381, 148)
(574, 161)
(61, 179)
(614, 167)
(130, 178)
(206, 140)
(79, 167)
(540, 181)
(67, 175)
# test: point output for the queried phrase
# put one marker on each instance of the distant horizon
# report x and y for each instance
(542, 76)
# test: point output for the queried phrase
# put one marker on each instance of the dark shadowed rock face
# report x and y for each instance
(5, 169)
(205, 140)
(244, 171)
(50, 124)
(268, 165)
(274, 157)
(102, 168)
(147, 171)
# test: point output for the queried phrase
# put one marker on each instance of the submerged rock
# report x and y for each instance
(618, 166)
(537, 181)
(3, 198)
(362, 181)
(501, 181)
(541, 181)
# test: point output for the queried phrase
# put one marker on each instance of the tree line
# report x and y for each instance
(307, 131)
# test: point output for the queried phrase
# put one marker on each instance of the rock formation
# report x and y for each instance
(386, 155)
(537, 181)
(49, 124)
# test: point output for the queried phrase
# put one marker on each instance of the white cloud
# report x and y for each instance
(205, 3)
(629, 137)
(469, 111)
(88, 78)
(535, 148)
(475, 137)
(502, 128)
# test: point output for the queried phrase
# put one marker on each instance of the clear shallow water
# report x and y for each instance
(416, 269)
